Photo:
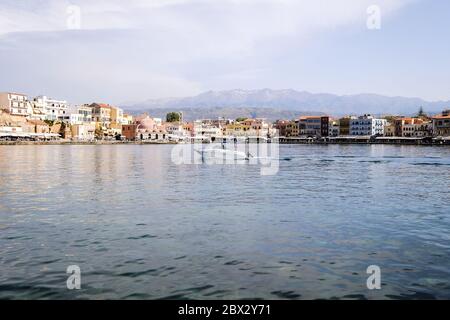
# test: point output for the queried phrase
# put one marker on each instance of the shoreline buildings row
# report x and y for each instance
(45, 118)
(366, 125)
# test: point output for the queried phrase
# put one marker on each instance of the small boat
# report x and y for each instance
(222, 153)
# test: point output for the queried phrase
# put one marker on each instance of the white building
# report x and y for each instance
(206, 130)
(82, 114)
(367, 125)
(54, 109)
(16, 104)
(175, 129)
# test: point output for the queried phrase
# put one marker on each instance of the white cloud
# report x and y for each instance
(168, 42)
(247, 18)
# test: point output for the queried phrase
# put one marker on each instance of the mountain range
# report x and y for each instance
(283, 104)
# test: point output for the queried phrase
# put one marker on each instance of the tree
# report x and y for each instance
(173, 117)
(49, 122)
(99, 134)
(241, 119)
(62, 129)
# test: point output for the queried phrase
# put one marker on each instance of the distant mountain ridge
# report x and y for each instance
(291, 101)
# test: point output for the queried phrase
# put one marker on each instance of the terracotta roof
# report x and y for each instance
(441, 117)
(103, 105)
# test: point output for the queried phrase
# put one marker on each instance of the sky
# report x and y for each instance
(123, 52)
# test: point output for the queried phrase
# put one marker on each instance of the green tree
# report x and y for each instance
(99, 134)
(50, 122)
(62, 129)
(173, 117)
(241, 119)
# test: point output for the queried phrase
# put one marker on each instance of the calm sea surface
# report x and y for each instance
(141, 227)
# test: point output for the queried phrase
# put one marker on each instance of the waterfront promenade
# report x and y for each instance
(281, 140)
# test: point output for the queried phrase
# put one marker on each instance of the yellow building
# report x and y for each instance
(237, 129)
(292, 129)
(101, 113)
(250, 128)
(389, 130)
(117, 120)
(116, 115)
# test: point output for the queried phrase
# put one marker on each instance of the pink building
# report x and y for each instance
(145, 123)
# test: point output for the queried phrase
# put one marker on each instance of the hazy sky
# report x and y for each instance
(133, 50)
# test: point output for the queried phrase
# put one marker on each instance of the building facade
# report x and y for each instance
(344, 125)
(129, 131)
(52, 108)
(314, 126)
(206, 130)
(82, 115)
(16, 104)
(367, 125)
(83, 132)
(333, 128)
(441, 124)
(412, 127)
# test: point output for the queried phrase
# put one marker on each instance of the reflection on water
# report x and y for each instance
(141, 227)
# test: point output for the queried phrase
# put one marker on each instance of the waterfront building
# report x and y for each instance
(101, 113)
(281, 126)
(147, 128)
(441, 124)
(206, 130)
(417, 129)
(83, 132)
(117, 116)
(175, 129)
(117, 120)
(333, 128)
(344, 125)
(52, 108)
(389, 129)
(83, 114)
(314, 126)
(411, 127)
(367, 125)
(145, 123)
(188, 129)
(129, 131)
(220, 122)
(293, 128)
(39, 110)
(250, 128)
(237, 130)
(16, 104)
